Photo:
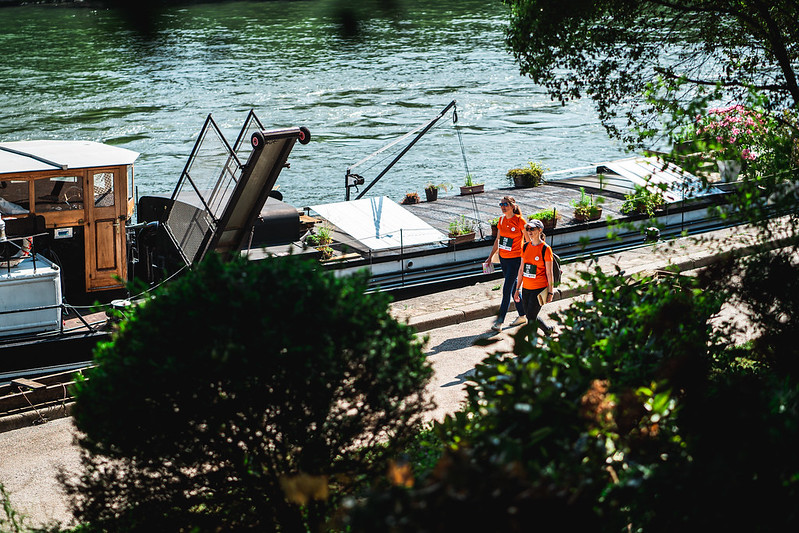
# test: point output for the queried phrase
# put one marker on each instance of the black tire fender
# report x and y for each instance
(257, 140)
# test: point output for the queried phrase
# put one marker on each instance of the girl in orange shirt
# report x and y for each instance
(535, 274)
(509, 243)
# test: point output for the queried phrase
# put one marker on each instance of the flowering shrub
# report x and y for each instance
(735, 132)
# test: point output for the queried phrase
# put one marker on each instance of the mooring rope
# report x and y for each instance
(466, 166)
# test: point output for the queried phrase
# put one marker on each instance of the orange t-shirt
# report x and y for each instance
(510, 236)
(534, 272)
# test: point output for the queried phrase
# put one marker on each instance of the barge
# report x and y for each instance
(71, 236)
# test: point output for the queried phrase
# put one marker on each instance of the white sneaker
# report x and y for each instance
(520, 321)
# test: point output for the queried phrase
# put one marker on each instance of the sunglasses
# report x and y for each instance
(503, 204)
(531, 228)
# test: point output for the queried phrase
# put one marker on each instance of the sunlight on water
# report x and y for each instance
(74, 73)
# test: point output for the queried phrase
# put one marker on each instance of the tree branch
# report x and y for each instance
(768, 87)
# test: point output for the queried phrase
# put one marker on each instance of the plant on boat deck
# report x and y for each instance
(643, 200)
(410, 198)
(442, 186)
(431, 190)
(547, 216)
(320, 237)
(530, 176)
(587, 207)
(250, 395)
(462, 226)
(469, 181)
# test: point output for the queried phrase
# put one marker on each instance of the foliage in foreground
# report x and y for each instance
(638, 416)
(240, 396)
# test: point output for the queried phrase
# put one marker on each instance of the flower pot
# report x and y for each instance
(461, 238)
(326, 253)
(521, 181)
(432, 194)
(586, 218)
(729, 169)
(471, 189)
(549, 223)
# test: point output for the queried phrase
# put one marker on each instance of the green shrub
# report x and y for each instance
(587, 205)
(642, 200)
(461, 226)
(546, 214)
(554, 433)
(240, 395)
(530, 176)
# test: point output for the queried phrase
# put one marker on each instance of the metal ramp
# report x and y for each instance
(232, 184)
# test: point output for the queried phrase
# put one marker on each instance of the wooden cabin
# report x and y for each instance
(84, 193)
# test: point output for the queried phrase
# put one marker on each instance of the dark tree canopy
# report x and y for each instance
(235, 383)
(610, 50)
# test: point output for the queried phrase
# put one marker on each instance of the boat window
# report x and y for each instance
(14, 198)
(58, 193)
(130, 182)
(103, 189)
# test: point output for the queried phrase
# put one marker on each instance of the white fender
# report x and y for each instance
(23, 252)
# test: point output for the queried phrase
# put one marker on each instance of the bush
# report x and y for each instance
(238, 396)
(548, 432)
(530, 176)
(638, 417)
(642, 200)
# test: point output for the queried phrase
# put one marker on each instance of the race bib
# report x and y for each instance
(506, 243)
(530, 270)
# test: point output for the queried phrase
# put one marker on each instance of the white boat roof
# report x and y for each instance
(32, 156)
(379, 223)
(644, 171)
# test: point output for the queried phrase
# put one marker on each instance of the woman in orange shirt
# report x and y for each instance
(535, 274)
(509, 243)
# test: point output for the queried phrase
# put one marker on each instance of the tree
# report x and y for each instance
(612, 50)
(237, 396)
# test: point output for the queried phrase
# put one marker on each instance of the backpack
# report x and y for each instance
(557, 272)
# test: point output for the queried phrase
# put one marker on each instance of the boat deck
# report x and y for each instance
(485, 206)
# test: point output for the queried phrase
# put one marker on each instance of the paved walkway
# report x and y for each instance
(482, 299)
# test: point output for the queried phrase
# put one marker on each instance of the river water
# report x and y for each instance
(76, 73)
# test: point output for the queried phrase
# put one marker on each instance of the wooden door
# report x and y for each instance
(106, 261)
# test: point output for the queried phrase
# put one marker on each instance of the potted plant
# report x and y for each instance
(461, 229)
(586, 208)
(319, 237)
(643, 201)
(410, 198)
(494, 222)
(470, 187)
(549, 217)
(431, 190)
(327, 253)
(530, 176)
